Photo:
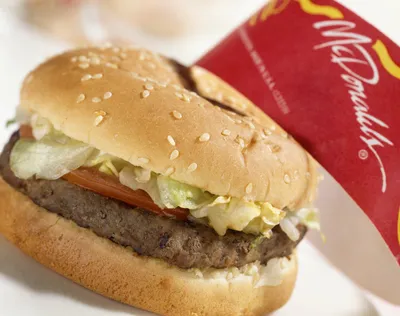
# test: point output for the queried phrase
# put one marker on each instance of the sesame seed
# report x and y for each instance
(145, 94)
(123, 55)
(252, 126)
(148, 86)
(143, 160)
(240, 141)
(266, 132)
(107, 95)
(231, 99)
(82, 58)
(169, 171)
(95, 60)
(97, 76)
(238, 121)
(84, 65)
(272, 127)
(98, 120)
(91, 54)
(74, 59)
(96, 100)
(192, 167)
(284, 134)
(100, 112)
(204, 137)
(177, 87)
(86, 77)
(274, 148)
(230, 118)
(171, 140)
(111, 65)
(139, 77)
(116, 49)
(174, 154)
(186, 98)
(201, 105)
(308, 175)
(219, 97)
(226, 132)
(257, 136)
(179, 95)
(249, 188)
(286, 178)
(152, 65)
(177, 114)
(80, 98)
(193, 93)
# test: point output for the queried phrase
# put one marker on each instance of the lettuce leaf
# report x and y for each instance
(269, 217)
(164, 191)
(134, 178)
(309, 217)
(240, 215)
(106, 163)
(47, 158)
(176, 194)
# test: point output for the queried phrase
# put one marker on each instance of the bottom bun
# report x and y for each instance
(118, 273)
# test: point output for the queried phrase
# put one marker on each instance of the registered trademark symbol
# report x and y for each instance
(363, 154)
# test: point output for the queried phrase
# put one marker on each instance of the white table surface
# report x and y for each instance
(27, 288)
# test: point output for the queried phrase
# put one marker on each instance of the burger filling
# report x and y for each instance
(45, 153)
(183, 243)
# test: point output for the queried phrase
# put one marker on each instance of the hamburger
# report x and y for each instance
(155, 184)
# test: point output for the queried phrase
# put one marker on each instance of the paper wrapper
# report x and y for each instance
(332, 81)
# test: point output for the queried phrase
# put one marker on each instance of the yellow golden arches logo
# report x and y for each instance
(315, 9)
(269, 9)
(386, 60)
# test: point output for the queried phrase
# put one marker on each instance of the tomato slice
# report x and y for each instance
(106, 185)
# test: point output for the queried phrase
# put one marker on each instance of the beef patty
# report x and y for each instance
(181, 243)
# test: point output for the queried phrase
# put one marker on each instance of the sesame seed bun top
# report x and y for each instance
(132, 103)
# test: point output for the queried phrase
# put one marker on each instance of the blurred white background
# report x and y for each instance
(31, 30)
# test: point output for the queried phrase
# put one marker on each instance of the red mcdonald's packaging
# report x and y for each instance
(331, 80)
